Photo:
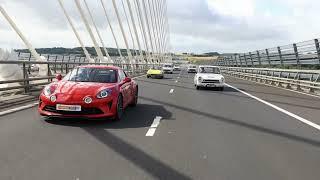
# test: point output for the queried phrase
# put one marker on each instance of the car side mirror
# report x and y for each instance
(59, 77)
(127, 79)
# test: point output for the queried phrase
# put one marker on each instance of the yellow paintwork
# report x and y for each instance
(154, 72)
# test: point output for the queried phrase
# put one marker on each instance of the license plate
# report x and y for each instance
(62, 107)
(211, 85)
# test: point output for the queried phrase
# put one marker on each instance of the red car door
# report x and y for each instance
(124, 88)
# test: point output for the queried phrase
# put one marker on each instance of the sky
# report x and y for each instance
(196, 26)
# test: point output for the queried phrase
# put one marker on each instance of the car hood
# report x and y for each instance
(81, 88)
(167, 68)
(154, 71)
(210, 76)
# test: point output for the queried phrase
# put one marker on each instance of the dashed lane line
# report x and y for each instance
(312, 124)
(154, 126)
(171, 91)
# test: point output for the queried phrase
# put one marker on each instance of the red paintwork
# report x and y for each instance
(73, 93)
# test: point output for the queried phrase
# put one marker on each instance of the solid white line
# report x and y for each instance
(314, 125)
(312, 95)
(18, 109)
(171, 91)
(154, 126)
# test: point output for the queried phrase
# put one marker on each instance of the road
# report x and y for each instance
(202, 134)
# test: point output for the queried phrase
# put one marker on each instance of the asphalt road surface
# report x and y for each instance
(175, 132)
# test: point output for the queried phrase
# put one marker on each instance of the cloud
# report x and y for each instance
(195, 25)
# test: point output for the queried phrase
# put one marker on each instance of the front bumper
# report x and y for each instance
(192, 70)
(210, 84)
(167, 71)
(155, 75)
(103, 108)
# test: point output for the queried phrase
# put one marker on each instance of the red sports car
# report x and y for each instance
(89, 92)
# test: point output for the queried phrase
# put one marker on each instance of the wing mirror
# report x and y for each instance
(59, 77)
(127, 79)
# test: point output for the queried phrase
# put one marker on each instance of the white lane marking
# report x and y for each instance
(156, 122)
(139, 76)
(176, 81)
(312, 124)
(151, 132)
(178, 77)
(171, 91)
(154, 126)
(18, 109)
(280, 88)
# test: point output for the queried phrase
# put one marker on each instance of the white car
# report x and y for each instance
(167, 68)
(176, 68)
(209, 76)
(192, 69)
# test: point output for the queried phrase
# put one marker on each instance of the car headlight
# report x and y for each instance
(104, 93)
(200, 78)
(48, 90)
(222, 79)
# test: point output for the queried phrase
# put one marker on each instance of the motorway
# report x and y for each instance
(204, 134)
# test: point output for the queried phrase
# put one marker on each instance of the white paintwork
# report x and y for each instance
(208, 76)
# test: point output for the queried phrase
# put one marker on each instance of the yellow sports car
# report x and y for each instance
(155, 72)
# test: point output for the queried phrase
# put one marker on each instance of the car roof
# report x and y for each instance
(208, 66)
(100, 66)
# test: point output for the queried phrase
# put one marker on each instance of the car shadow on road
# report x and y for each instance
(140, 116)
(238, 122)
(149, 164)
(135, 117)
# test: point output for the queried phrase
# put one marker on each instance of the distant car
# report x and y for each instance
(209, 76)
(167, 68)
(176, 68)
(34, 67)
(192, 69)
(155, 72)
(89, 92)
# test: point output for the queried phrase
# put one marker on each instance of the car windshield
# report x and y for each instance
(156, 68)
(99, 75)
(212, 70)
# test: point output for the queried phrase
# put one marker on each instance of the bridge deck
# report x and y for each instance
(202, 135)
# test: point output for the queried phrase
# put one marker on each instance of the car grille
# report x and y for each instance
(84, 111)
(210, 81)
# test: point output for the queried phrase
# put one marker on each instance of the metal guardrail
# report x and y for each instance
(30, 80)
(305, 53)
(299, 80)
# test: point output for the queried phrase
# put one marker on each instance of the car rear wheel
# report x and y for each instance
(120, 109)
(197, 87)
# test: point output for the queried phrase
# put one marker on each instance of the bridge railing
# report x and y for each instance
(302, 54)
(32, 82)
(299, 80)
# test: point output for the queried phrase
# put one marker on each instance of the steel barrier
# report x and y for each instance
(302, 54)
(299, 80)
(30, 80)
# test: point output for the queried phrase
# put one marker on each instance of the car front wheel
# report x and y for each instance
(135, 99)
(120, 109)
